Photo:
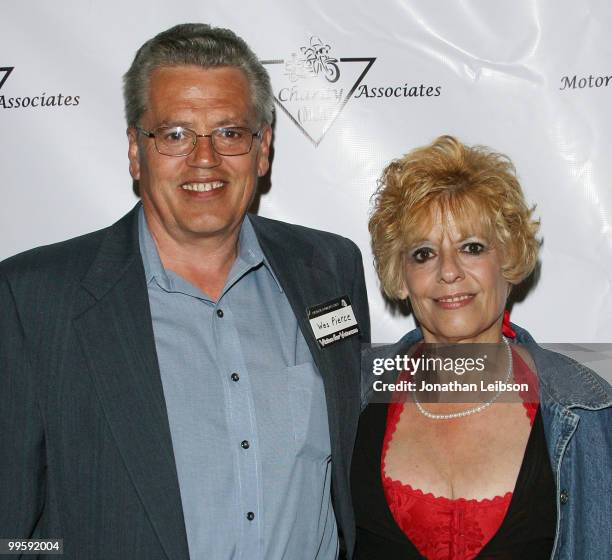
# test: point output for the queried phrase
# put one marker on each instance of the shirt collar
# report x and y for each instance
(153, 266)
(250, 255)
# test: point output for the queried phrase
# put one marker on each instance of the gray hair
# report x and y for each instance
(196, 44)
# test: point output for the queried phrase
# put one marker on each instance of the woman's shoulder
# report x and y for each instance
(572, 383)
(564, 379)
(380, 361)
(390, 350)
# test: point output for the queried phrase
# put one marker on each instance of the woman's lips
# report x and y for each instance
(455, 301)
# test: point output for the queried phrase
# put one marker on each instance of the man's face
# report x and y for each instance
(199, 99)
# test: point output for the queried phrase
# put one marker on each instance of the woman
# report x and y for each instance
(515, 476)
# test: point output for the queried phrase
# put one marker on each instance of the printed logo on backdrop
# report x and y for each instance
(581, 82)
(6, 72)
(40, 100)
(313, 85)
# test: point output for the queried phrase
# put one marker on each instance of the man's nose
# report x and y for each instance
(203, 154)
(451, 269)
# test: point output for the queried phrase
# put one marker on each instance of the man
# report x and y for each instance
(164, 393)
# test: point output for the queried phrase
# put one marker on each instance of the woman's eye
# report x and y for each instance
(473, 248)
(423, 254)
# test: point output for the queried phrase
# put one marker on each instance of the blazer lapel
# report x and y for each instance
(116, 335)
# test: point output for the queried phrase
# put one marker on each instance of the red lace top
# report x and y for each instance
(442, 528)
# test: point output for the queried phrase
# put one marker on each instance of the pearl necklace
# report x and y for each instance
(469, 411)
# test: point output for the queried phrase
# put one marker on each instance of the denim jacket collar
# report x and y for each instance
(563, 381)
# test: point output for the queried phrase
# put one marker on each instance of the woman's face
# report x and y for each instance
(455, 284)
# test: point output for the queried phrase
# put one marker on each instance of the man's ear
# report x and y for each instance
(263, 157)
(133, 153)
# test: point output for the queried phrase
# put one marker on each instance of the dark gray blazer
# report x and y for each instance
(86, 453)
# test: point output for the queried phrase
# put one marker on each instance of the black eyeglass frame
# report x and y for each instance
(153, 134)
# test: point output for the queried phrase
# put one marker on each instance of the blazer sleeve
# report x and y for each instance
(22, 463)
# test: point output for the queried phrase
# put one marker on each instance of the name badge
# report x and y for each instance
(333, 321)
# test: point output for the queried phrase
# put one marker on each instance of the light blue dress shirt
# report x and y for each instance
(247, 412)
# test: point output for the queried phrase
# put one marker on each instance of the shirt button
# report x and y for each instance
(245, 444)
(564, 497)
(235, 377)
(219, 313)
(250, 516)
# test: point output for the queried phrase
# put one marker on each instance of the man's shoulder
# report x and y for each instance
(289, 234)
(65, 259)
(72, 256)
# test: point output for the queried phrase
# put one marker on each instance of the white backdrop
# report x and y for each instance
(530, 78)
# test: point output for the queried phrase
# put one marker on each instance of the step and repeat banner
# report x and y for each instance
(529, 78)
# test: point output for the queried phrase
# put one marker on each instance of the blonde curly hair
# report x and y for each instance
(473, 185)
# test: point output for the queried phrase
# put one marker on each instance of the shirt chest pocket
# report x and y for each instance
(308, 412)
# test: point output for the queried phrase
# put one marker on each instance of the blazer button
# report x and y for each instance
(250, 516)
(235, 377)
(219, 313)
(564, 497)
(245, 444)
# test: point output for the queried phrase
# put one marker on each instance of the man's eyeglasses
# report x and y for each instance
(180, 141)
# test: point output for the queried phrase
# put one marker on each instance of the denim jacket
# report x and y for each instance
(576, 406)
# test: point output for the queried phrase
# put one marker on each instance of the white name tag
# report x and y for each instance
(333, 321)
